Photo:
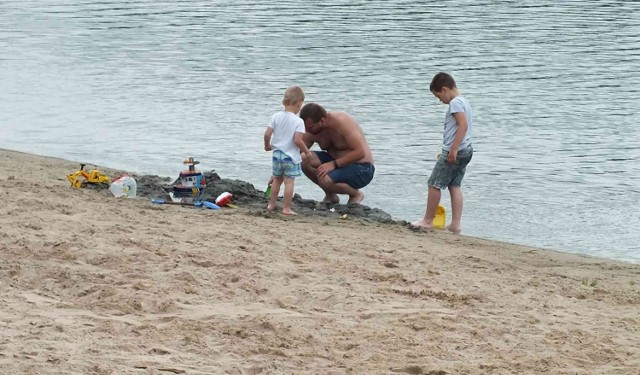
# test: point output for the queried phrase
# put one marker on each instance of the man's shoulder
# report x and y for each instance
(344, 119)
(341, 114)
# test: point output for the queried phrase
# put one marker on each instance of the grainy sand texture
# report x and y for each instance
(91, 284)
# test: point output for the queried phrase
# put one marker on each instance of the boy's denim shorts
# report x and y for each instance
(283, 165)
(447, 174)
(356, 175)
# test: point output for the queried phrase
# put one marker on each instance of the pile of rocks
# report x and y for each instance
(245, 195)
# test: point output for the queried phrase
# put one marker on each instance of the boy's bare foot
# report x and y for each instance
(270, 207)
(288, 212)
(421, 225)
(356, 198)
(332, 198)
(454, 230)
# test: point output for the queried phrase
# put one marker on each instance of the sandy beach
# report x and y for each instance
(91, 284)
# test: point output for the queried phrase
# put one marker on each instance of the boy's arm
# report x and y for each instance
(461, 119)
(308, 139)
(267, 139)
(299, 140)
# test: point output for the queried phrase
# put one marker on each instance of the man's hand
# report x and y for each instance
(268, 148)
(325, 168)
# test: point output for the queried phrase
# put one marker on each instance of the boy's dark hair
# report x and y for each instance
(441, 80)
(312, 111)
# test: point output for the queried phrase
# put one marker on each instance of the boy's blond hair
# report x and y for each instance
(293, 95)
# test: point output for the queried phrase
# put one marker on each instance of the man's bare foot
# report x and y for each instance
(356, 198)
(421, 225)
(288, 212)
(270, 207)
(332, 198)
(454, 230)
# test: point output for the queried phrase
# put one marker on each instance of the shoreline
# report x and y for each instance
(95, 284)
(252, 198)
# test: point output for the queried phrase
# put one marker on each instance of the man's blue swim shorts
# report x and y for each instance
(356, 175)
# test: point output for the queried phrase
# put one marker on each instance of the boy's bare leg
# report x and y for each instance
(275, 190)
(457, 199)
(288, 196)
(433, 200)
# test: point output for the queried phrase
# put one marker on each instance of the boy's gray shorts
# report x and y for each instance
(447, 174)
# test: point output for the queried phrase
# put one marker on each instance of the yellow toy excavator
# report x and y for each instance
(81, 177)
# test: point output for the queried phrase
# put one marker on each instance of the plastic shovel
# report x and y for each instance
(206, 204)
(162, 201)
(210, 205)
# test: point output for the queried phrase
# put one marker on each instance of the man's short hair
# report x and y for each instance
(441, 80)
(312, 111)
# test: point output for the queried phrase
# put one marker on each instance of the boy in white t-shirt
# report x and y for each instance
(284, 137)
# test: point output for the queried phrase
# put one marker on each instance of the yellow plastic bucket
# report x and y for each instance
(439, 221)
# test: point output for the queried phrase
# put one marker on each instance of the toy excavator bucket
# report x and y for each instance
(439, 221)
(75, 180)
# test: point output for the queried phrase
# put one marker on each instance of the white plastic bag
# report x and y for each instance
(124, 186)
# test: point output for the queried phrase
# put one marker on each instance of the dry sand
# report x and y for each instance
(91, 284)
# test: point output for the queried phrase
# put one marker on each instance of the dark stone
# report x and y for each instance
(153, 187)
(245, 195)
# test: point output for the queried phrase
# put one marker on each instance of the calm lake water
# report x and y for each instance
(142, 84)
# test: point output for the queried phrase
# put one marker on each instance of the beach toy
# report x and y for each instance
(223, 199)
(267, 193)
(190, 182)
(440, 219)
(162, 201)
(210, 205)
(80, 178)
(124, 186)
(206, 204)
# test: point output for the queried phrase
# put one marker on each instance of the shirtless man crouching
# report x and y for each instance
(345, 163)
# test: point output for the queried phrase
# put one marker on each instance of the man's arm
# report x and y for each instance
(352, 134)
(308, 139)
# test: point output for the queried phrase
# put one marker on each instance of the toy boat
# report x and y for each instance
(190, 182)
